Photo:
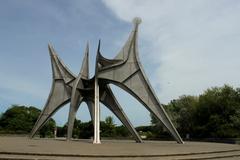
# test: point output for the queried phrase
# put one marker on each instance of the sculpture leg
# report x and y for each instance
(60, 92)
(58, 97)
(71, 119)
(90, 105)
(76, 100)
(140, 88)
(96, 139)
(109, 100)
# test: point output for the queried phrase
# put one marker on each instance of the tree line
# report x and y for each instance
(213, 114)
(21, 119)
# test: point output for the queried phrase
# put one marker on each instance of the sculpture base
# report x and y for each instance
(25, 148)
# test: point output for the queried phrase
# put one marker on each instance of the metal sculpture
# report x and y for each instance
(125, 71)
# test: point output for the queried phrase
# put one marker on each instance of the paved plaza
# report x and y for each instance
(25, 148)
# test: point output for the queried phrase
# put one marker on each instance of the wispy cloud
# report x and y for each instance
(194, 44)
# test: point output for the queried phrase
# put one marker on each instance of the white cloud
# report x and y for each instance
(195, 44)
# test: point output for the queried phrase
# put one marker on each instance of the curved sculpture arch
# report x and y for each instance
(125, 71)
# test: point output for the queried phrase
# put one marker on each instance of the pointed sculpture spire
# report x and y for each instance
(85, 64)
(124, 52)
(59, 68)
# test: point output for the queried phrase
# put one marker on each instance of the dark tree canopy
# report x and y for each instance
(213, 114)
(217, 114)
(20, 120)
(84, 130)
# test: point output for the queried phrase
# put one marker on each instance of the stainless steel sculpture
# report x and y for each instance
(125, 71)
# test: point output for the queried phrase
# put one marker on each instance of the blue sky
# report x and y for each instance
(185, 46)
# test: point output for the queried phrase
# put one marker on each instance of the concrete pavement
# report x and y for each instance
(25, 148)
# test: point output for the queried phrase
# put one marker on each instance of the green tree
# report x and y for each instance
(121, 131)
(214, 114)
(108, 127)
(62, 131)
(157, 129)
(76, 128)
(182, 112)
(48, 129)
(86, 130)
(235, 119)
(21, 119)
(218, 112)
